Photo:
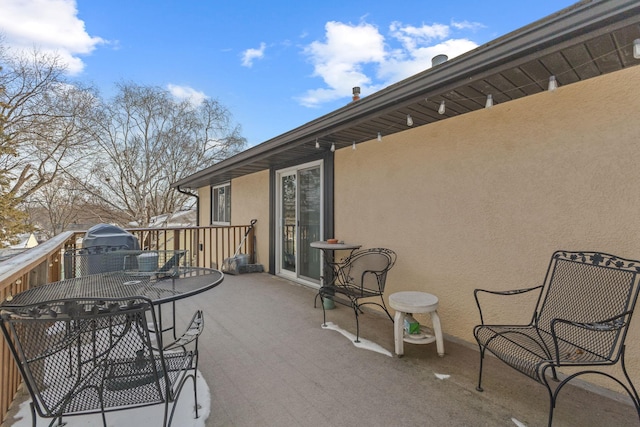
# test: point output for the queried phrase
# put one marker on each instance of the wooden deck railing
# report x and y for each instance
(205, 246)
(34, 267)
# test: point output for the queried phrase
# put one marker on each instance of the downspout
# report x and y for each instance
(197, 203)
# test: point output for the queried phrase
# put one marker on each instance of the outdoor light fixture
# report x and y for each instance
(409, 120)
(442, 108)
(353, 146)
(489, 102)
(553, 84)
(379, 137)
(333, 147)
(317, 143)
(636, 48)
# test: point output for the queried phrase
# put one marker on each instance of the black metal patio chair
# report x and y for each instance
(81, 357)
(360, 277)
(580, 323)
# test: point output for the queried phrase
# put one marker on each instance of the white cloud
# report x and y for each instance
(339, 61)
(360, 55)
(466, 25)
(187, 93)
(407, 63)
(411, 37)
(52, 26)
(249, 55)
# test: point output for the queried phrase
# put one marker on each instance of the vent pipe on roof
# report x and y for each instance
(439, 59)
(356, 93)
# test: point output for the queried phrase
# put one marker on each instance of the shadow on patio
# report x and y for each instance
(268, 362)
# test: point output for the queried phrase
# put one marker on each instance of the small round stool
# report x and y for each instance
(410, 302)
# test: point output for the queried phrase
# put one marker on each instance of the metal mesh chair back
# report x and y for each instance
(589, 287)
(78, 356)
(360, 276)
(367, 270)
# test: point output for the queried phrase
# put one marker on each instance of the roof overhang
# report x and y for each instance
(586, 40)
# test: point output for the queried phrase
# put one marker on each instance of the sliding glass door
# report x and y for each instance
(299, 221)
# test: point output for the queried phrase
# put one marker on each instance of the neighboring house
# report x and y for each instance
(475, 196)
(177, 219)
(27, 240)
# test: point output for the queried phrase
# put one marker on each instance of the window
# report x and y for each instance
(221, 204)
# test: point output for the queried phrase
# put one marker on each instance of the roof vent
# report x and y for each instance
(356, 93)
(439, 59)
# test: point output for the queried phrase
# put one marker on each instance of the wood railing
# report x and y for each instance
(205, 246)
(34, 267)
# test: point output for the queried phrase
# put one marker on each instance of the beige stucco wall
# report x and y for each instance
(484, 199)
(204, 202)
(250, 200)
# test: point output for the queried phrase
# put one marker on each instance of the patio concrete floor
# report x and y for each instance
(268, 362)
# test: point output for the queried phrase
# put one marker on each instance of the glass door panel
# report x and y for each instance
(289, 222)
(309, 215)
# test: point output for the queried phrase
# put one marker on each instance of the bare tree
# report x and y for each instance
(12, 219)
(43, 120)
(145, 140)
(64, 205)
(123, 154)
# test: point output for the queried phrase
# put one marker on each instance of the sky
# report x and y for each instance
(275, 65)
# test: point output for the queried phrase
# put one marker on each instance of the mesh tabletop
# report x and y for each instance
(190, 281)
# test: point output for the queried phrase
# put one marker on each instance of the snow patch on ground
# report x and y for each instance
(365, 344)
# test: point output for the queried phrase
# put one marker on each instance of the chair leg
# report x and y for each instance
(633, 393)
(479, 387)
(59, 424)
(195, 382)
(552, 395)
(552, 405)
(33, 414)
(195, 394)
(166, 422)
(356, 308)
(324, 312)
(384, 307)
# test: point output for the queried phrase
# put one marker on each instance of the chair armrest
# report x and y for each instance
(500, 293)
(612, 324)
(193, 331)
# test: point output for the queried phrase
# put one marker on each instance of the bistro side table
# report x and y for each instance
(331, 266)
(410, 302)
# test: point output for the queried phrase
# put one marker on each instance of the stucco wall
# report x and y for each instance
(204, 201)
(484, 199)
(250, 200)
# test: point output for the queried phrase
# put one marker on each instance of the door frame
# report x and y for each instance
(277, 249)
(328, 166)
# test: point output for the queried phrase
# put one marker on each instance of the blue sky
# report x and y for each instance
(274, 64)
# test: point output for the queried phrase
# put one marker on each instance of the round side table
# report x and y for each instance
(410, 302)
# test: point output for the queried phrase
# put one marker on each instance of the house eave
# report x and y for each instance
(572, 44)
